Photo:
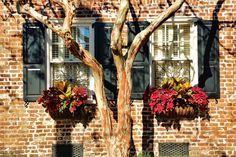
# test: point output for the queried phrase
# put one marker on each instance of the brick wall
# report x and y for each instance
(31, 132)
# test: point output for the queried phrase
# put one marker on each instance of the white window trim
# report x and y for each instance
(76, 22)
(193, 48)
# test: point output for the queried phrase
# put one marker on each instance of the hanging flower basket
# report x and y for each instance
(176, 99)
(66, 101)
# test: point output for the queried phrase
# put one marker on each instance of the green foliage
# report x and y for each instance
(180, 85)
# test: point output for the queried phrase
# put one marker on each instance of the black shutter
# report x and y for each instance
(208, 57)
(103, 54)
(34, 60)
(140, 69)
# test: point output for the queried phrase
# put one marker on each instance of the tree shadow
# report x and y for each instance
(221, 24)
(133, 11)
(148, 125)
(213, 37)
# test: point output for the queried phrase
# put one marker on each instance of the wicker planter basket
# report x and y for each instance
(84, 112)
(179, 112)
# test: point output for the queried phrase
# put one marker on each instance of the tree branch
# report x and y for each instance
(27, 9)
(69, 9)
(59, 3)
(69, 12)
(99, 89)
(116, 38)
(143, 36)
(116, 42)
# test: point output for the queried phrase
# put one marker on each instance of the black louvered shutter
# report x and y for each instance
(103, 54)
(34, 60)
(208, 57)
(140, 69)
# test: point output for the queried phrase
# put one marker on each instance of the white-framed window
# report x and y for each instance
(174, 51)
(62, 65)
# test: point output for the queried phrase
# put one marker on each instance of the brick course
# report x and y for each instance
(31, 132)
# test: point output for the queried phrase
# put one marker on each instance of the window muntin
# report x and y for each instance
(172, 52)
(63, 65)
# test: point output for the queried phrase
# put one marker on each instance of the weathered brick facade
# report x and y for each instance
(31, 132)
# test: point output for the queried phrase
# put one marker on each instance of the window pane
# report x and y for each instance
(55, 50)
(83, 35)
(55, 38)
(86, 46)
(76, 73)
(57, 47)
(185, 39)
(165, 69)
(80, 33)
(159, 42)
(74, 32)
(66, 53)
